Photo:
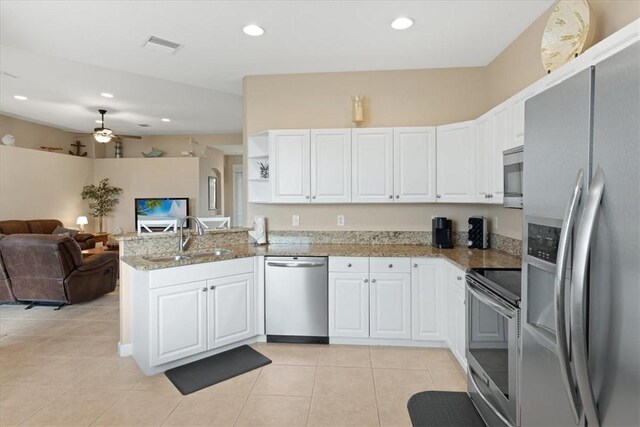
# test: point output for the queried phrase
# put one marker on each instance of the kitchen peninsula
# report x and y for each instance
(177, 311)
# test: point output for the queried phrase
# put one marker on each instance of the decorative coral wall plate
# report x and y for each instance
(566, 33)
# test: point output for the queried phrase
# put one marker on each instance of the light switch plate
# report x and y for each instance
(340, 220)
(295, 220)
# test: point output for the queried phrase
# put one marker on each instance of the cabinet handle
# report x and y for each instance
(438, 196)
(491, 196)
(415, 265)
(390, 196)
(397, 196)
(313, 197)
(349, 265)
(366, 280)
(212, 287)
(373, 280)
(486, 196)
(390, 265)
(459, 277)
(306, 197)
(204, 289)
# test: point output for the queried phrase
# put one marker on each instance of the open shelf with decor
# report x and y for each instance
(258, 168)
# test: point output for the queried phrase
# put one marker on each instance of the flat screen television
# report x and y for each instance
(161, 208)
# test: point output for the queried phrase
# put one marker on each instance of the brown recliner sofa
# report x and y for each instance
(50, 268)
(6, 294)
(43, 226)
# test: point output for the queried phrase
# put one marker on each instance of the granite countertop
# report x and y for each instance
(160, 235)
(460, 256)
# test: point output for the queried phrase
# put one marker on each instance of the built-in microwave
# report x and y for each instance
(513, 161)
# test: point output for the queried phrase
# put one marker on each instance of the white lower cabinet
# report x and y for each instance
(390, 305)
(185, 319)
(368, 303)
(230, 310)
(349, 305)
(179, 321)
(457, 315)
(428, 291)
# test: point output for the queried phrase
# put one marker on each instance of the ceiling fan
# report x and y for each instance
(104, 135)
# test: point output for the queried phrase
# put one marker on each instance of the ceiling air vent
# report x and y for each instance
(162, 45)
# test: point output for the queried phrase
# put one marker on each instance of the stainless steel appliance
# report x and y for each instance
(478, 233)
(296, 299)
(493, 343)
(513, 163)
(580, 341)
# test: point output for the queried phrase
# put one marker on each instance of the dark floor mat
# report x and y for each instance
(443, 409)
(206, 372)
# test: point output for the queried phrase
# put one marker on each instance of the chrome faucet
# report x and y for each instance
(182, 244)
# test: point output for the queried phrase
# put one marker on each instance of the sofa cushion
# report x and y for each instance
(68, 231)
(43, 226)
(14, 227)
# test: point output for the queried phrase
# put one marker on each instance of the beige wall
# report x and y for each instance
(229, 162)
(519, 64)
(162, 177)
(396, 98)
(37, 184)
(33, 135)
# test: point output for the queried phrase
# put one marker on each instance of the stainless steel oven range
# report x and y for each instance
(493, 343)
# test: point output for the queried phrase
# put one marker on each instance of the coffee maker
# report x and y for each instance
(441, 233)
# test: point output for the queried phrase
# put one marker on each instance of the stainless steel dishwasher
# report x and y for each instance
(296, 291)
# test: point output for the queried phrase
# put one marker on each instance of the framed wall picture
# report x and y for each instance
(213, 193)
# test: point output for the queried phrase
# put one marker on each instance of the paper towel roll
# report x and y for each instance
(259, 232)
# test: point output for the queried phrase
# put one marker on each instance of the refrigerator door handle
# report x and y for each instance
(559, 297)
(579, 307)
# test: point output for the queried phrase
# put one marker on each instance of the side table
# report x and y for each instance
(101, 238)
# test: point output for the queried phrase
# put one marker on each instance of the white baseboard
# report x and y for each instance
(124, 350)
(387, 342)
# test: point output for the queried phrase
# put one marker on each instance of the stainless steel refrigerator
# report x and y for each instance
(580, 334)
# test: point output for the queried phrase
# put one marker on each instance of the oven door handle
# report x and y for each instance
(559, 297)
(490, 300)
(472, 375)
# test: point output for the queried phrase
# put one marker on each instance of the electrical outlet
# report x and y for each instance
(295, 220)
(495, 223)
(340, 220)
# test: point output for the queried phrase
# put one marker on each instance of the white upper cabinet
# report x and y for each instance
(500, 138)
(414, 164)
(289, 161)
(483, 158)
(456, 163)
(331, 165)
(372, 165)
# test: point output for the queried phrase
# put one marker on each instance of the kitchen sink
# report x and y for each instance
(215, 252)
(167, 258)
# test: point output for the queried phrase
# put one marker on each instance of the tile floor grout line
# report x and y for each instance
(313, 389)
(375, 390)
(247, 396)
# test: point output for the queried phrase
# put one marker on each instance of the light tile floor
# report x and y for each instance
(60, 368)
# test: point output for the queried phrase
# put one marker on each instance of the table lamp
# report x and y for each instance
(82, 221)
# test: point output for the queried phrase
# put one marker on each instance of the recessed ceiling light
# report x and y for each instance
(20, 97)
(402, 23)
(107, 94)
(166, 120)
(253, 30)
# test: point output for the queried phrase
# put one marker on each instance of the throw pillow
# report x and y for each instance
(62, 230)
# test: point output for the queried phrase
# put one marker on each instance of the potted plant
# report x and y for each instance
(264, 170)
(102, 199)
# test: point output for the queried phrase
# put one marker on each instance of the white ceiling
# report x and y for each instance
(67, 52)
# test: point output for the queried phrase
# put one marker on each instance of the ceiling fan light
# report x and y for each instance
(103, 135)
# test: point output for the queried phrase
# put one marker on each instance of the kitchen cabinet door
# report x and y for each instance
(500, 137)
(331, 165)
(178, 321)
(230, 309)
(414, 164)
(372, 165)
(428, 302)
(456, 163)
(460, 326)
(289, 163)
(390, 306)
(349, 305)
(484, 158)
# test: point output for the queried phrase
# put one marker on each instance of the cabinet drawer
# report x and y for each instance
(390, 265)
(349, 264)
